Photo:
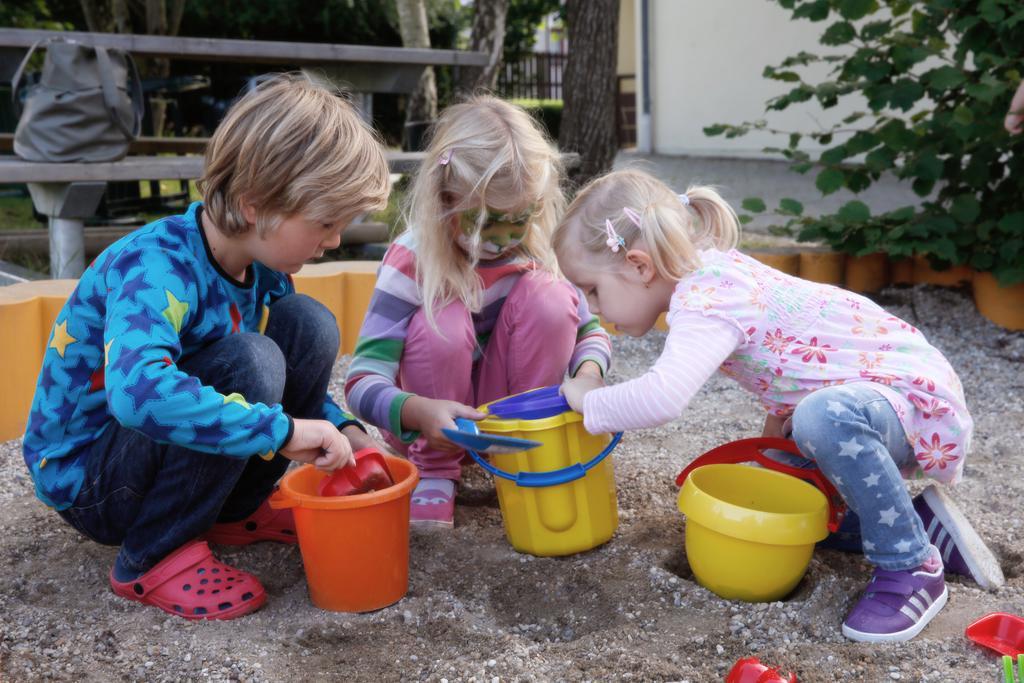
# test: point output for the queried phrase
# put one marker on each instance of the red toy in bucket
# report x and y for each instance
(752, 450)
(369, 472)
(999, 631)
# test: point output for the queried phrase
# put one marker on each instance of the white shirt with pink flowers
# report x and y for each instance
(781, 338)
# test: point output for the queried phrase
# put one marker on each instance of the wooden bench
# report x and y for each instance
(15, 170)
(366, 68)
(97, 238)
(141, 146)
(67, 193)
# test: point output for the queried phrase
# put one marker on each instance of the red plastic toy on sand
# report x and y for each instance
(751, 670)
(999, 631)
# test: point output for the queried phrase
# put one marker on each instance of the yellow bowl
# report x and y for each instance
(750, 532)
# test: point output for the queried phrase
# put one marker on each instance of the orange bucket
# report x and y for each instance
(355, 549)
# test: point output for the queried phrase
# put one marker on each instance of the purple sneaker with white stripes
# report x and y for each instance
(896, 606)
(963, 552)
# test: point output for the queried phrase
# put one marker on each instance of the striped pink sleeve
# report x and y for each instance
(694, 348)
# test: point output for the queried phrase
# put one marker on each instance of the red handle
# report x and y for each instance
(752, 450)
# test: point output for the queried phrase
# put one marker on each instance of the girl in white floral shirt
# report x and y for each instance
(864, 395)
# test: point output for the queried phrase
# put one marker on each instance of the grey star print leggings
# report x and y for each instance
(852, 434)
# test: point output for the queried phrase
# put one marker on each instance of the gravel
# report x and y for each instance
(478, 611)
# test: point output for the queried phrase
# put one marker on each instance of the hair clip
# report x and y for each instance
(632, 215)
(615, 240)
(445, 158)
(684, 200)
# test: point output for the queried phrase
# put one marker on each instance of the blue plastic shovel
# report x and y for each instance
(469, 436)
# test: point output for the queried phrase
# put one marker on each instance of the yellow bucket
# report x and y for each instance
(557, 498)
(750, 532)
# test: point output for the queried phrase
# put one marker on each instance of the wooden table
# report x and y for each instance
(69, 192)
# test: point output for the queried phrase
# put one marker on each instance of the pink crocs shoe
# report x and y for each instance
(433, 503)
(266, 524)
(192, 583)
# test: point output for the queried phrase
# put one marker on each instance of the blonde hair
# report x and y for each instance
(671, 232)
(292, 146)
(484, 153)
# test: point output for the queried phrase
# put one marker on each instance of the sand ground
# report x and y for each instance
(477, 610)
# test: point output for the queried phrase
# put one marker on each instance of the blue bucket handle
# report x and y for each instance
(553, 477)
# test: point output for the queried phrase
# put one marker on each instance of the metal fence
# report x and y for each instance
(532, 75)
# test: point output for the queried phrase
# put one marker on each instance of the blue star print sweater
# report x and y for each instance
(152, 298)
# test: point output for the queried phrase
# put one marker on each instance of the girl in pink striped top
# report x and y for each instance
(862, 392)
(468, 306)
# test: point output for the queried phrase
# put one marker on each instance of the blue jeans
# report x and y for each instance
(853, 435)
(151, 498)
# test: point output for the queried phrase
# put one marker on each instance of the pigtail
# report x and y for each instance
(671, 248)
(717, 226)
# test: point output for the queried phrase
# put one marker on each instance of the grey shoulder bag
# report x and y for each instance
(81, 109)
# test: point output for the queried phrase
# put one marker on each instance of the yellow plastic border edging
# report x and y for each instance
(345, 287)
(29, 309)
(27, 312)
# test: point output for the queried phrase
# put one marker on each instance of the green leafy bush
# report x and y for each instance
(937, 77)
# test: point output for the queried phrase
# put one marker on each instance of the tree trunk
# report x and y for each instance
(174, 17)
(162, 18)
(106, 16)
(156, 25)
(98, 17)
(588, 116)
(122, 18)
(488, 35)
(412, 24)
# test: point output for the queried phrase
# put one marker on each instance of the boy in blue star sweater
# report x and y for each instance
(184, 372)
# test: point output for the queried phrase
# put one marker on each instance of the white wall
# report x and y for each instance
(627, 59)
(706, 61)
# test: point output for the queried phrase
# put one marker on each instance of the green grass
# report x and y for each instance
(16, 214)
(168, 187)
(527, 103)
(35, 262)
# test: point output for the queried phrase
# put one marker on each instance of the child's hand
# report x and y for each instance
(777, 426)
(576, 388)
(360, 440)
(429, 416)
(318, 442)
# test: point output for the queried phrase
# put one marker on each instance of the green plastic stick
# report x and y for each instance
(1020, 667)
(1007, 669)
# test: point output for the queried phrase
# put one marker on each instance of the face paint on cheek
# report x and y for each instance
(501, 232)
(496, 240)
